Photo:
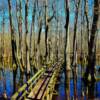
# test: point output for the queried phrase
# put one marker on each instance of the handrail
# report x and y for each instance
(51, 86)
(27, 87)
(21, 91)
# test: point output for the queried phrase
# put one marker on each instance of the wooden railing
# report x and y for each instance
(26, 88)
(24, 91)
(50, 91)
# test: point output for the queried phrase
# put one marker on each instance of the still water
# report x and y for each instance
(6, 84)
(80, 87)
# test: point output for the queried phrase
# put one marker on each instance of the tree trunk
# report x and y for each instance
(87, 20)
(47, 21)
(74, 57)
(56, 42)
(92, 44)
(26, 41)
(66, 51)
(20, 49)
(14, 47)
(2, 39)
(32, 28)
(38, 43)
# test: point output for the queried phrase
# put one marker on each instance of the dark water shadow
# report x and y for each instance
(83, 91)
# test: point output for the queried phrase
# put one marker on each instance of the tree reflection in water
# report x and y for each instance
(77, 89)
(83, 91)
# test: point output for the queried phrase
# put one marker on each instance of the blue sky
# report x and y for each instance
(59, 5)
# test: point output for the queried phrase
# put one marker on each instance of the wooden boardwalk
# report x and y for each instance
(43, 87)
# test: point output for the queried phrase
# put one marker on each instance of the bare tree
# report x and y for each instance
(47, 21)
(39, 39)
(26, 41)
(20, 49)
(32, 27)
(92, 44)
(66, 52)
(87, 19)
(14, 47)
(74, 57)
(2, 37)
(56, 37)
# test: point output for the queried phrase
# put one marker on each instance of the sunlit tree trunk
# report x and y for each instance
(32, 28)
(49, 49)
(82, 38)
(46, 31)
(38, 42)
(74, 57)
(27, 64)
(47, 21)
(14, 47)
(20, 49)
(56, 41)
(59, 51)
(87, 19)
(66, 53)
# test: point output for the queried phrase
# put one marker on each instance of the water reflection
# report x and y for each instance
(68, 85)
(77, 89)
(6, 82)
(82, 92)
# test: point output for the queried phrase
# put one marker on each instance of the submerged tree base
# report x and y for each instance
(88, 79)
